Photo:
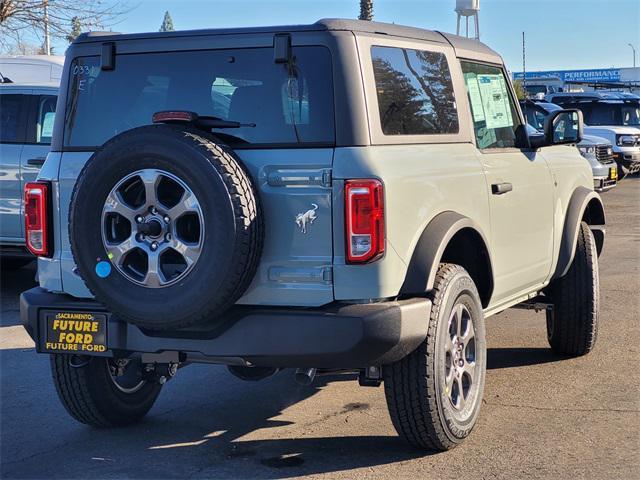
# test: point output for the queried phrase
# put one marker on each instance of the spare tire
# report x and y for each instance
(165, 227)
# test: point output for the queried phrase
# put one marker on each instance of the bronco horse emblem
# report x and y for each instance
(307, 218)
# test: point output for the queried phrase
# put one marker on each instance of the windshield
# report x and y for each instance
(288, 103)
(627, 114)
(535, 89)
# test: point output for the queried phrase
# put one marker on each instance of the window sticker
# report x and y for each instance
(47, 124)
(486, 137)
(474, 94)
(495, 100)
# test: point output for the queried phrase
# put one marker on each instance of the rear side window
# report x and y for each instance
(289, 104)
(13, 110)
(495, 117)
(414, 90)
(44, 121)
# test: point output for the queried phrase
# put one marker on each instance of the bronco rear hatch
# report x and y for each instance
(286, 141)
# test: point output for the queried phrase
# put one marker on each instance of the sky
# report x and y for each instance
(560, 34)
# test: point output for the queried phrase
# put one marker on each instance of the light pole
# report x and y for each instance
(47, 38)
(634, 54)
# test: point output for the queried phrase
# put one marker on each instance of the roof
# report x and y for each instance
(39, 59)
(35, 85)
(323, 25)
(615, 97)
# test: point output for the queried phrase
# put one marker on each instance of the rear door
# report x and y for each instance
(519, 183)
(14, 108)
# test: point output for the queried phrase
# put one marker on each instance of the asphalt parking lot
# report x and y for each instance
(543, 416)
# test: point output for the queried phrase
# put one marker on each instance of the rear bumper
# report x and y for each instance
(338, 336)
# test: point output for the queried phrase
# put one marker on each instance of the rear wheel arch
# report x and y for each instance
(452, 238)
(585, 206)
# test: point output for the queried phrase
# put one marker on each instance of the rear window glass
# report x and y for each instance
(288, 103)
(46, 115)
(415, 93)
(627, 114)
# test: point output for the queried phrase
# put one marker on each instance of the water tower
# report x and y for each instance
(466, 9)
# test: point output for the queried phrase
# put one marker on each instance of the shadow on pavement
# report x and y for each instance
(12, 284)
(519, 357)
(290, 454)
(210, 425)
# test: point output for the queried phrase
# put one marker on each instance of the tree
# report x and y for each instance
(76, 29)
(32, 18)
(366, 10)
(398, 101)
(167, 23)
(521, 93)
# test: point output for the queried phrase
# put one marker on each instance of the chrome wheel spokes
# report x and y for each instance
(460, 358)
(152, 228)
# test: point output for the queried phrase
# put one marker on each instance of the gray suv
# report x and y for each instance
(340, 196)
(27, 112)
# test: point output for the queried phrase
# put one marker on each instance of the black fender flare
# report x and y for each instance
(433, 241)
(583, 201)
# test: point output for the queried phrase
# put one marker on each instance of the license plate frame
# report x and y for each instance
(74, 332)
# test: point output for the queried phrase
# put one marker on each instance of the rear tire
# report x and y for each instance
(572, 325)
(421, 388)
(88, 391)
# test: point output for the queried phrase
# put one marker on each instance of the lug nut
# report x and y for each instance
(166, 219)
(139, 219)
(153, 210)
(461, 363)
(154, 245)
(167, 237)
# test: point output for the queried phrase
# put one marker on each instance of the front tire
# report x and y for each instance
(572, 325)
(434, 394)
(92, 395)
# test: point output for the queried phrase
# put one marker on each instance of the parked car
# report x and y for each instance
(368, 197)
(26, 125)
(597, 150)
(614, 116)
(31, 68)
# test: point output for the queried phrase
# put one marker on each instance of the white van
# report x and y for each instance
(31, 68)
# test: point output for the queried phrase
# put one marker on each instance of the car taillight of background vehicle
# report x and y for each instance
(364, 217)
(36, 221)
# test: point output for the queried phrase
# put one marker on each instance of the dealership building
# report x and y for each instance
(618, 79)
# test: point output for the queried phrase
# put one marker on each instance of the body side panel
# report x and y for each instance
(420, 182)
(569, 172)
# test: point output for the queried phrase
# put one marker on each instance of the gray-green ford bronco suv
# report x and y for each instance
(344, 196)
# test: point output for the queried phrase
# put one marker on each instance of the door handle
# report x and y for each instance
(36, 162)
(500, 188)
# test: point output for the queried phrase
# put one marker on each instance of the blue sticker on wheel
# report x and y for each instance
(103, 269)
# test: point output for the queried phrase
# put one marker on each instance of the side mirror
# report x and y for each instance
(563, 126)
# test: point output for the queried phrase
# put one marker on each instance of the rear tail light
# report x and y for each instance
(36, 218)
(364, 216)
